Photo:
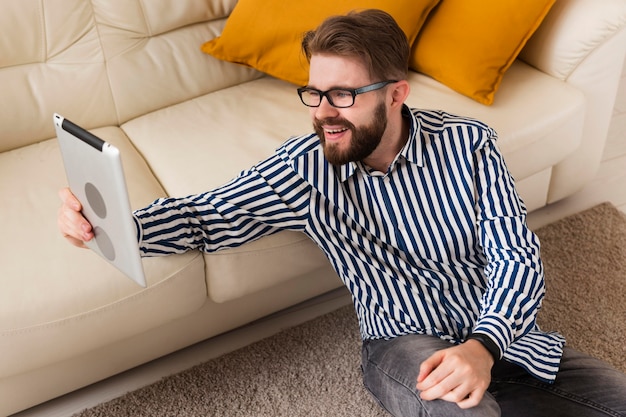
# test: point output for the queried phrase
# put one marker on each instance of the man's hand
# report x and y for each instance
(460, 374)
(74, 227)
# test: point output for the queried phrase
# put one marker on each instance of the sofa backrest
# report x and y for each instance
(104, 62)
(571, 31)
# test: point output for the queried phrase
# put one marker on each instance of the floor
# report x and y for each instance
(608, 185)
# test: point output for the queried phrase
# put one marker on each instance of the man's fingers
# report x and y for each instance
(436, 387)
(73, 226)
(69, 199)
(471, 400)
(76, 237)
(453, 391)
(73, 223)
(426, 369)
(455, 375)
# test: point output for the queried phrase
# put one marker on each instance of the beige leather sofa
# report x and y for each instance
(132, 71)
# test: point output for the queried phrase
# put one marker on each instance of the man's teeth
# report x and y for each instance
(336, 130)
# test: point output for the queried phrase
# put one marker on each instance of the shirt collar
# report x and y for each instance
(412, 150)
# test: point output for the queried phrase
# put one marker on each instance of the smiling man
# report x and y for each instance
(420, 218)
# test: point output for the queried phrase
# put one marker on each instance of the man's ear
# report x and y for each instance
(399, 93)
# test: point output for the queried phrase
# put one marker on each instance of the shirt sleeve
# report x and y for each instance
(260, 201)
(515, 276)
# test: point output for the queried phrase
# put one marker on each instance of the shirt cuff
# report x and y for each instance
(488, 343)
(138, 228)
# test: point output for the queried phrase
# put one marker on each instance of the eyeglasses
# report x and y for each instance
(337, 97)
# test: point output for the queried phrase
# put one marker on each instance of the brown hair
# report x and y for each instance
(370, 35)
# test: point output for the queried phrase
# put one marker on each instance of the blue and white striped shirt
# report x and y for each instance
(437, 245)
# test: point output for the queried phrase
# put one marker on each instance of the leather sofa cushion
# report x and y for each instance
(61, 288)
(538, 118)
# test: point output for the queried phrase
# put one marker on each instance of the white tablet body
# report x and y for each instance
(95, 176)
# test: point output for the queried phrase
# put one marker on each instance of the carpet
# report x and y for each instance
(313, 369)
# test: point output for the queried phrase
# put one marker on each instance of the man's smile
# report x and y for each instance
(334, 133)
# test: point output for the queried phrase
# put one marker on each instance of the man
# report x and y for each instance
(420, 218)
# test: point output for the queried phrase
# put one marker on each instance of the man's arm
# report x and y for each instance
(260, 201)
(515, 286)
(514, 271)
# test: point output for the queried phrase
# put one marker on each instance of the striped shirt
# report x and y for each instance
(436, 245)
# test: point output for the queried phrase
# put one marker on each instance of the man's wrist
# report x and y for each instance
(488, 343)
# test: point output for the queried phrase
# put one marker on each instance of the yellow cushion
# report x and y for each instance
(469, 44)
(267, 34)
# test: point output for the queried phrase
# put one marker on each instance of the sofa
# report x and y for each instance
(134, 74)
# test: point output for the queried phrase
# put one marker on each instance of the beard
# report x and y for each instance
(364, 139)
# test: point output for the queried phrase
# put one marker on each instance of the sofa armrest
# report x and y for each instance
(570, 32)
(583, 43)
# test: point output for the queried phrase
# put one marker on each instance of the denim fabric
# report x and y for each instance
(584, 387)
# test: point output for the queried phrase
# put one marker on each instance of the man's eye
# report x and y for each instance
(341, 94)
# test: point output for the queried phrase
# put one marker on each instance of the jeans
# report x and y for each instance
(584, 387)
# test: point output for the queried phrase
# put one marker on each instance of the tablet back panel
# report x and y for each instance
(95, 176)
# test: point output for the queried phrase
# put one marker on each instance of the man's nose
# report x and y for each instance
(325, 109)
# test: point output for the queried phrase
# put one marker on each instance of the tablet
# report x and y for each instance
(95, 176)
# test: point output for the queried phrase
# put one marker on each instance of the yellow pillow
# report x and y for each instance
(267, 34)
(469, 44)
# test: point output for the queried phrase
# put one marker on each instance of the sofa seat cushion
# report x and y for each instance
(69, 299)
(538, 118)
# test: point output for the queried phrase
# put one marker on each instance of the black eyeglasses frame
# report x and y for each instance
(353, 91)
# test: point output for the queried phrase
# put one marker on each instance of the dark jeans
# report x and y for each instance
(585, 387)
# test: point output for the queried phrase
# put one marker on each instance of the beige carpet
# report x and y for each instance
(313, 369)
